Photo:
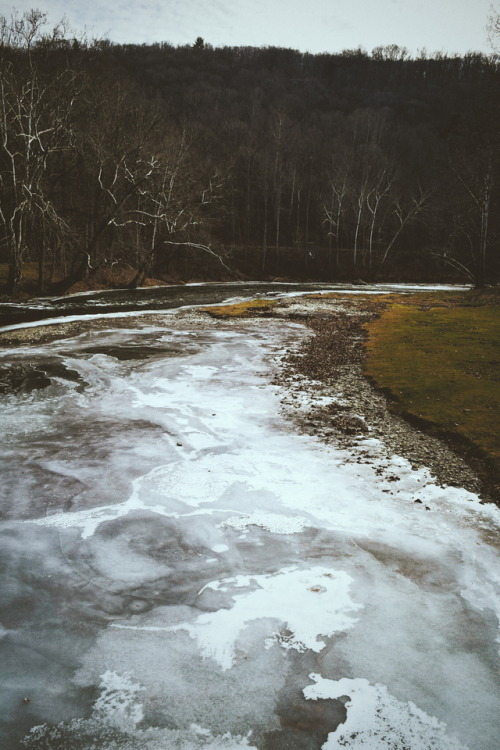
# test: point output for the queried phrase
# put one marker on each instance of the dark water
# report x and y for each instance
(164, 298)
(153, 298)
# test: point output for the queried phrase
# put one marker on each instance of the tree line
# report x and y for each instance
(202, 162)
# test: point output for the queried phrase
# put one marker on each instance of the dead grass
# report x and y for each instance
(438, 357)
(241, 309)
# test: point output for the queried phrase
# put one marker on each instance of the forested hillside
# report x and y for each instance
(201, 162)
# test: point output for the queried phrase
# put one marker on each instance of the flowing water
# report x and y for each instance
(182, 569)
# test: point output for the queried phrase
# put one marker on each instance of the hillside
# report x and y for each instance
(197, 162)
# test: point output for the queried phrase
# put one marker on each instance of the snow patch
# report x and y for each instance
(273, 522)
(113, 723)
(219, 548)
(199, 372)
(378, 721)
(308, 603)
(117, 703)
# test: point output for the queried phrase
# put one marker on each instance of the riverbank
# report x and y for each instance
(329, 364)
(338, 361)
(333, 363)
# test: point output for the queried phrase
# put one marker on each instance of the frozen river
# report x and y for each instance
(182, 569)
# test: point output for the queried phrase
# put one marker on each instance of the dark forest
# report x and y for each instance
(197, 162)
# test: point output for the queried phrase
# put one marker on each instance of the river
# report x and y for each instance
(181, 568)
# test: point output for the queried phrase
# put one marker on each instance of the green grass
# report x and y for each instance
(441, 365)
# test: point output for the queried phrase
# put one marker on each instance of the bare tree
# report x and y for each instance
(406, 208)
(334, 210)
(475, 174)
(493, 28)
(36, 104)
(175, 205)
(375, 199)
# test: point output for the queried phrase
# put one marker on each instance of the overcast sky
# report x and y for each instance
(308, 25)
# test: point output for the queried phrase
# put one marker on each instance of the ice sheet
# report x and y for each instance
(377, 721)
(178, 560)
(283, 597)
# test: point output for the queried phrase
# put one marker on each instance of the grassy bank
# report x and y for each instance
(438, 358)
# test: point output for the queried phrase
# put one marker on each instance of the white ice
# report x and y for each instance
(282, 598)
(377, 721)
(232, 553)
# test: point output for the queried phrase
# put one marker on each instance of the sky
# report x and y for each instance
(450, 26)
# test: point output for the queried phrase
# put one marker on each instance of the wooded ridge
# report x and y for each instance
(201, 162)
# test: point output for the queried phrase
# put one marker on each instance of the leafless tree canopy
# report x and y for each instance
(194, 161)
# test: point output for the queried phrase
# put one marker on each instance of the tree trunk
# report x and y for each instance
(15, 275)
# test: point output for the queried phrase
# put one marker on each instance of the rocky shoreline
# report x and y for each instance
(329, 365)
